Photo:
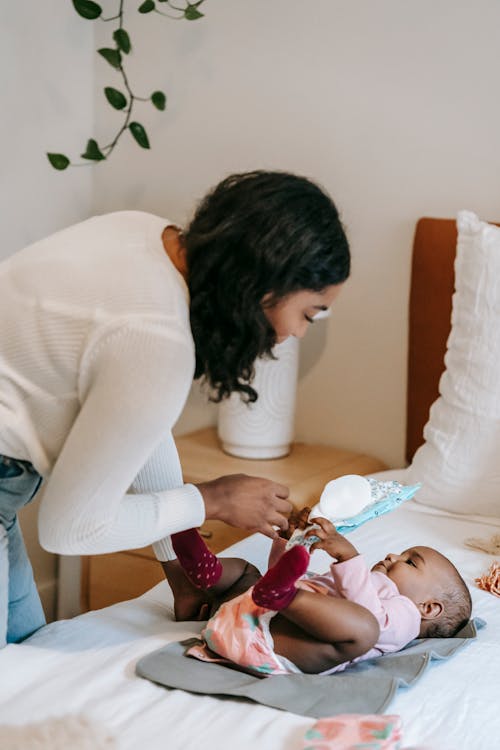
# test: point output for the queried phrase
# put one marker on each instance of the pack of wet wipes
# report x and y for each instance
(352, 500)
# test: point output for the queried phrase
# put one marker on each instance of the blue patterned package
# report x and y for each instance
(385, 497)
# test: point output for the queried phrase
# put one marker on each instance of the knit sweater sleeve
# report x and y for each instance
(162, 471)
(133, 385)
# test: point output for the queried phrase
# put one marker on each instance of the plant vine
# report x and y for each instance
(115, 56)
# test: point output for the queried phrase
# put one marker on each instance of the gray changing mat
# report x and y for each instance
(367, 687)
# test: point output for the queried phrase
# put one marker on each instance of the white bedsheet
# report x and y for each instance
(86, 665)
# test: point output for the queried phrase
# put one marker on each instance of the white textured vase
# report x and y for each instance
(265, 428)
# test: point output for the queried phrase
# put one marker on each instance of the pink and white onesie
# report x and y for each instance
(239, 630)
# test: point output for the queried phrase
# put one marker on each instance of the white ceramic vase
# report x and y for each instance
(265, 428)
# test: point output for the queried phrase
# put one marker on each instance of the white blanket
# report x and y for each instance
(86, 665)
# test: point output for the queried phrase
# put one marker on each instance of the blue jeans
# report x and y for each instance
(21, 611)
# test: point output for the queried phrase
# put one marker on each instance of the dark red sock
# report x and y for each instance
(276, 589)
(200, 565)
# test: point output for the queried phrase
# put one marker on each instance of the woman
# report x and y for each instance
(102, 328)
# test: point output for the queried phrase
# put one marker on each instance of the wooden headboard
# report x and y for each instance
(432, 285)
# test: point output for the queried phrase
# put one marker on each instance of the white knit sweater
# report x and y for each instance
(96, 362)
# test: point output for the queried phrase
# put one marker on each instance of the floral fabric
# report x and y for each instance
(239, 633)
(354, 732)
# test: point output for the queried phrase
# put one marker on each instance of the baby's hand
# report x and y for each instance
(331, 541)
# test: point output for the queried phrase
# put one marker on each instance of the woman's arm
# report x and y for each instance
(132, 392)
(162, 471)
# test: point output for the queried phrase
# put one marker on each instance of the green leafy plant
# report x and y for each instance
(116, 56)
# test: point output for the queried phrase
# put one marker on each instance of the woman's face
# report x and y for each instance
(292, 315)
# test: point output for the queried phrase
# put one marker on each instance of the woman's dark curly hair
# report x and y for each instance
(254, 234)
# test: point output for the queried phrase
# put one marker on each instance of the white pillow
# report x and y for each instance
(459, 463)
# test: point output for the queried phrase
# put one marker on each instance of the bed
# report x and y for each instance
(86, 665)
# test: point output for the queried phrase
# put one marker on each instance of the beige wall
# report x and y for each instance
(390, 105)
(47, 105)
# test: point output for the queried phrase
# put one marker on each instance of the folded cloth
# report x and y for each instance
(490, 581)
(491, 546)
(58, 733)
(365, 688)
(354, 731)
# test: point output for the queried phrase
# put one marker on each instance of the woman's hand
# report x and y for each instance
(247, 502)
(331, 541)
(298, 519)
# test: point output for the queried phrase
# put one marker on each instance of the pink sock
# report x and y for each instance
(276, 589)
(200, 565)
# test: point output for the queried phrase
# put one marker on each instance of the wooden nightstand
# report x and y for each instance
(107, 579)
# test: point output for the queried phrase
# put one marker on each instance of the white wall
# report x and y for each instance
(391, 105)
(46, 95)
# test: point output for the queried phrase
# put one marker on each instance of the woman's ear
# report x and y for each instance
(268, 300)
(173, 243)
(430, 610)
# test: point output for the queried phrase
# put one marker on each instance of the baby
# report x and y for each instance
(289, 621)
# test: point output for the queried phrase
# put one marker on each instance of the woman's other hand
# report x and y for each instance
(246, 502)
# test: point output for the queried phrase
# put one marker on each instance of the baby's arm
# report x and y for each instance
(398, 616)
(316, 631)
(350, 574)
(319, 632)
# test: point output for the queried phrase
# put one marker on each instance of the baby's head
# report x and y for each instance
(433, 583)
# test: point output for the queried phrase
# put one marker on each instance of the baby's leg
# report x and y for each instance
(318, 632)
(276, 588)
(237, 577)
(314, 631)
(200, 565)
(224, 578)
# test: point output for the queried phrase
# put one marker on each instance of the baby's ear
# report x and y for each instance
(430, 609)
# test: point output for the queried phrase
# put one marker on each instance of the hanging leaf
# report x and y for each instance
(93, 152)
(115, 97)
(87, 9)
(146, 7)
(192, 13)
(139, 134)
(91, 10)
(112, 56)
(159, 99)
(58, 161)
(122, 40)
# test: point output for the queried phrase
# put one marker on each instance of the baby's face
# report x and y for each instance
(420, 573)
